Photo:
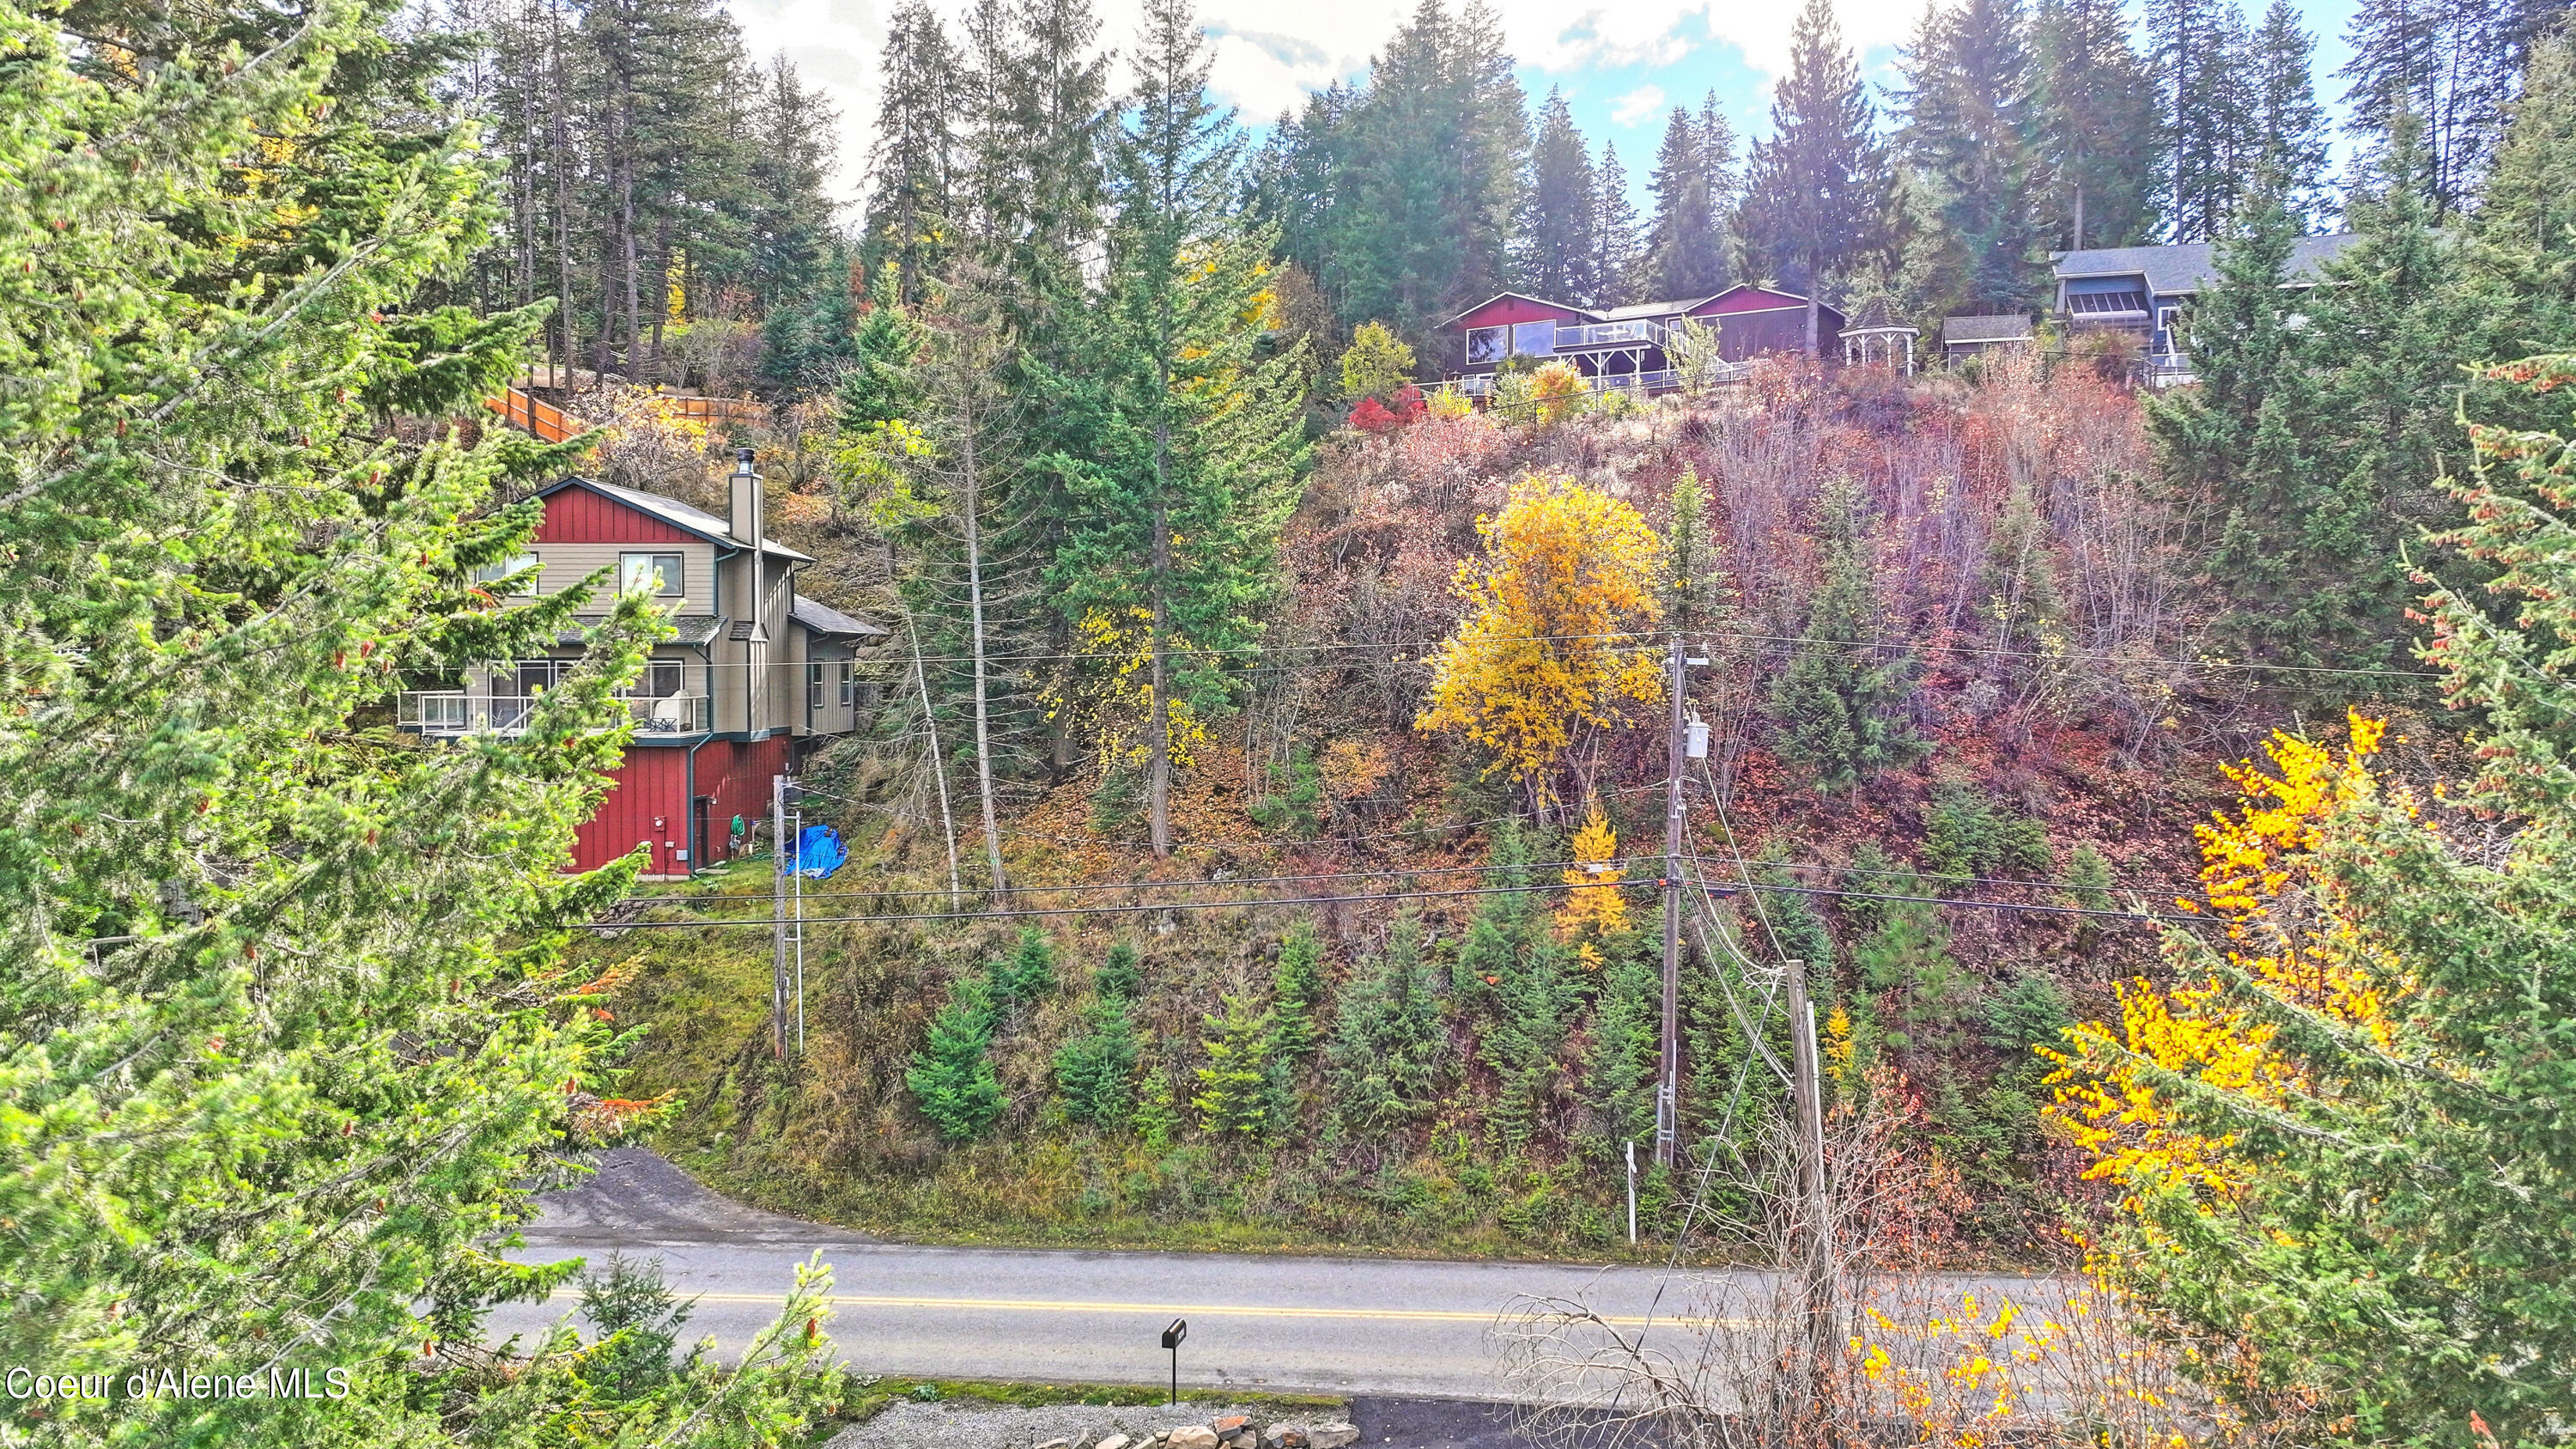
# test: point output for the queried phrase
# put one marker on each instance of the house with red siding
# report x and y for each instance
(754, 675)
(1628, 347)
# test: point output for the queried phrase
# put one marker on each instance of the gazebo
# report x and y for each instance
(1874, 338)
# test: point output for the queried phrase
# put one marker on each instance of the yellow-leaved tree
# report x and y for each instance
(1594, 909)
(1555, 647)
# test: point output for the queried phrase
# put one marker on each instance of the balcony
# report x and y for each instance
(2168, 369)
(449, 713)
(1634, 333)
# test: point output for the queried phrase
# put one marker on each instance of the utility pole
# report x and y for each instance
(1806, 1095)
(1668, 1079)
(780, 853)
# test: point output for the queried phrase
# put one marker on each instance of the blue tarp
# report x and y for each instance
(819, 851)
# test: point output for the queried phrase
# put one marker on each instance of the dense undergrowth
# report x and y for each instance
(1951, 661)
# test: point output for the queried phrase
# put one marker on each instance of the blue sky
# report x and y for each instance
(1623, 64)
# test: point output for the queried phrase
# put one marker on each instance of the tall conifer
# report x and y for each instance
(2097, 157)
(911, 211)
(1818, 201)
(1560, 210)
(1615, 241)
(1967, 133)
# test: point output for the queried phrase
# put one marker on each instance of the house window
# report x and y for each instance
(1534, 339)
(2089, 303)
(2166, 318)
(849, 684)
(648, 573)
(517, 563)
(1487, 344)
(813, 688)
(536, 676)
(662, 678)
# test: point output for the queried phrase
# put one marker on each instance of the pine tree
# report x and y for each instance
(1096, 1071)
(1623, 1052)
(2096, 122)
(1967, 133)
(1119, 977)
(1693, 588)
(2454, 66)
(1840, 704)
(1027, 974)
(1234, 1095)
(2288, 126)
(1177, 509)
(296, 1012)
(1818, 201)
(2523, 239)
(951, 1078)
(1560, 209)
(1686, 241)
(2199, 47)
(1615, 240)
(1297, 985)
(786, 217)
(912, 210)
(1387, 1048)
(2290, 576)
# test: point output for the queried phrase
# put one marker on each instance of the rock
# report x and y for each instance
(1114, 1441)
(1288, 1436)
(1224, 1427)
(1192, 1436)
(1331, 1436)
(1056, 1444)
(1244, 1438)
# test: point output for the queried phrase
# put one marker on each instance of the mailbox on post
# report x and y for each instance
(1172, 1337)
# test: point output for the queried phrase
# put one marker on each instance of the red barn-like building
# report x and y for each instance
(1625, 347)
(753, 673)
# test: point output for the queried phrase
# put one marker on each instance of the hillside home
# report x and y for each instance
(754, 675)
(1624, 347)
(2142, 291)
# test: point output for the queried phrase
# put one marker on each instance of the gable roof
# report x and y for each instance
(824, 619)
(2181, 270)
(677, 514)
(1517, 297)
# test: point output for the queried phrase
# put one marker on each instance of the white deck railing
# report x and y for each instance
(1631, 333)
(447, 713)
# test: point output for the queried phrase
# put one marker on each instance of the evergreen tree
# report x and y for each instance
(1297, 985)
(2095, 119)
(1399, 196)
(1234, 1095)
(787, 221)
(2288, 126)
(2454, 66)
(951, 1078)
(1179, 503)
(1028, 973)
(912, 208)
(1096, 1071)
(1693, 591)
(1691, 182)
(2200, 48)
(1388, 1046)
(1623, 1053)
(294, 1011)
(1118, 977)
(1818, 201)
(1560, 210)
(1840, 704)
(1615, 240)
(2524, 234)
(1967, 133)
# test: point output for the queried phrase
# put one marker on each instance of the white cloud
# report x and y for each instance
(1637, 105)
(1269, 56)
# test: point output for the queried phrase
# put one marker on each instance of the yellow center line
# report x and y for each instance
(1055, 1305)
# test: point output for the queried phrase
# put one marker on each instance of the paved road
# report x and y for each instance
(1331, 1325)
(1334, 1325)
